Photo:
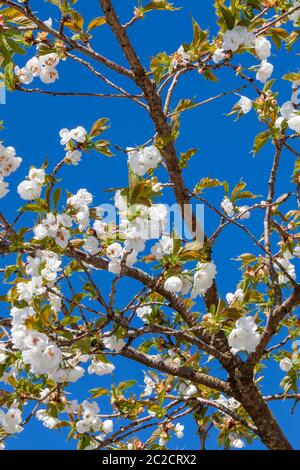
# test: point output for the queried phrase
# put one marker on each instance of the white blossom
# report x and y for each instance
(236, 37)
(81, 198)
(218, 56)
(11, 420)
(238, 296)
(262, 48)
(142, 160)
(37, 175)
(245, 214)
(49, 60)
(294, 123)
(285, 364)
(24, 75)
(49, 75)
(295, 16)
(49, 422)
(173, 284)
(245, 104)
(186, 389)
(164, 246)
(3, 188)
(114, 266)
(264, 72)
(101, 368)
(227, 206)
(79, 134)
(179, 430)
(73, 157)
(29, 190)
(244, 336)
(114, 251)
(107, 426)
(236, 442)
(203, 278)
(91, 245)
(113, 343)
(180, 57)
(143, 312)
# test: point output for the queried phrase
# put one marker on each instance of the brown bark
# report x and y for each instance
(267, 427)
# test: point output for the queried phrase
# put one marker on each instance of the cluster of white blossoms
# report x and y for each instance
(46, 264)
(43, 67)
(113, 343)
(11, 420)
(56, 227)
(204, 276)
(117, 255)
(237, 296)
(42, 355)
(138, 224)
(48, 421)
(187, 389)
(9, 163)
(100, 367)
(179, 430)
(31, 187)
(79, 208)
(232, 210)
(244, 336)
(91, 422)
(144, 159)
(290, 115)
(230, 403)
(78, 134)
(39, 352)
(163, 247)
(144, 312)
(239, 36)
(73, 139)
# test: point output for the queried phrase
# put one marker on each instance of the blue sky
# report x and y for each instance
(32, 123)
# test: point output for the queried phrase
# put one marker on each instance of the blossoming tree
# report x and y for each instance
(61, 323)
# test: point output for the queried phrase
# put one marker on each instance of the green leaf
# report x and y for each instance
(159, 65)
(208, 75)
(260, 140)
(185, 157)
(292, 77)
(125, 385)
(56, 197)
(98, 392)
(36, 207)
(207, 183)
(70, 320)
(159, 5)
(99, 127)
(228, 17)
(96, 22)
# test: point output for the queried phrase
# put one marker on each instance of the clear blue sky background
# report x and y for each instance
(32, 123)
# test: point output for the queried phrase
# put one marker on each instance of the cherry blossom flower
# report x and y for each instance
(264, 72)
(285, 364)
(244, 336)
(173, 284)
